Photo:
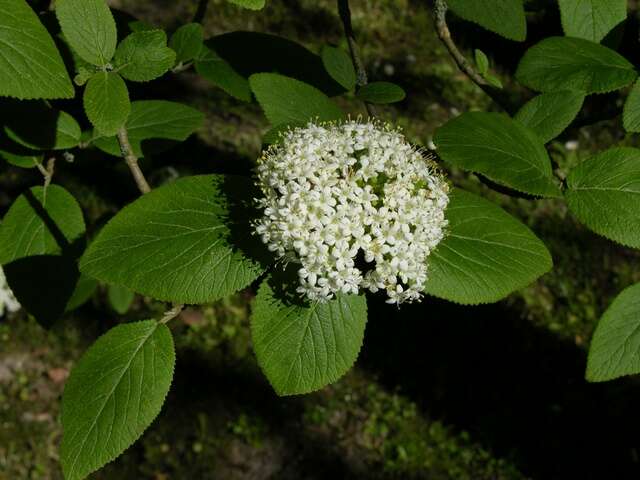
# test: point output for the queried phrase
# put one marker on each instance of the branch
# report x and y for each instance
(132, 161)
(361, 72)
(201, 11)
(496, 94)
(171, 314)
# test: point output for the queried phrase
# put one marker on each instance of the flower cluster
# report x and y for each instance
(7, 299)
(354, 204)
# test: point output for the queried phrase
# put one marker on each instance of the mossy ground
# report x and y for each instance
(441, 391)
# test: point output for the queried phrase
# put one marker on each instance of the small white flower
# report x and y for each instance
(337, 194)
(8, 301)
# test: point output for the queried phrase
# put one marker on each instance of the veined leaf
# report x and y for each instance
(113, 394)
(500, 148)
(304, 348)
(550, 113)
(604, 194)
(615, 347)
(120, 298)
(591, 19)
(286, 100)
(381, 92)
(487, 254)
(564, 63)
(185, 242)
(30, 64)
(89, 28)
(144, 56)
(631, 112)
(339, 65)
(40, 224)
(186, 41)
(106, 102)
(154, 119)
(504, 17)
(215, 69)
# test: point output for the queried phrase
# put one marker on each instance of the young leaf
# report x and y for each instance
(500, 148)
(185, 242)
(21, 160)
(381, 92)
(215, 69)
(250, 4)
(591, 19)
(615, 347)
(604, 194)
(631, 111)
(550, 113)
(186, 41)
(504, 17)
(144, 56)
(564, 63)
(30, 65)
(302, 348)
(40, 224)
(106, 102)
(286, 100)
(89, 28)
(120, 298)
(482, 62)
(113, 394)
(487, 254)
(338, 64)
(154, 119)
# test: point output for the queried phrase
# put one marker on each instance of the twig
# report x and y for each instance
(132, 161)
(47, 173)
(361, 72)
(171, 314)
(440, 10)
(181, 67)
(201, 11)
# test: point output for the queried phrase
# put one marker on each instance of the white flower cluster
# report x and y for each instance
(354, 204)
(8, 301)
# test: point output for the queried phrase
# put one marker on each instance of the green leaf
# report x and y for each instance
(493, 80)
(591, 19)
(154, 119)
(106, 102)
(221, 74)
(89, 28)
(113, 394)
(482, 62)
(20, 160)
(41, 237)
(84, 290)
(250, 4)
(381, 92)
(338, 64)
(186, 41)
(120, 298)
(57, 129)
(615, 346)
(302, 348)
(550, 113)
(286, 100)
(486, 255)
(604, 194)
(504, 17)
(564, 63)
(499, 148)
(39, 224)
(30, 64)
(186, 242)
(631, 112)
(144, 56)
